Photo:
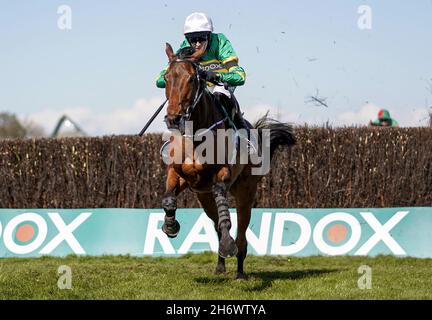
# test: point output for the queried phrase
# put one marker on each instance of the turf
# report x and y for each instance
(191, 277)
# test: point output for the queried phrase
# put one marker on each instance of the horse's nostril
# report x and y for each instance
(173, 121)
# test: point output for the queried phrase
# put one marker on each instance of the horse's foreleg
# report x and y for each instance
(174, 185)
(243, 219)
(227, 245)
(207, 201)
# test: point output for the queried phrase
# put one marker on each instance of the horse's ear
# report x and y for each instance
(169, 52)
(198, 53)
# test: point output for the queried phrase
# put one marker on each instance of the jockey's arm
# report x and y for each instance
(236, 75)
(375, 123)
(160, 81)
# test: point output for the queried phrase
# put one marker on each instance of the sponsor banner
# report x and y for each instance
(297, 232)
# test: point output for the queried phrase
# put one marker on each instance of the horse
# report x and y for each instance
(189, 100)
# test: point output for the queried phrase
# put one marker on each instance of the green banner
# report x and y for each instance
(277, 231)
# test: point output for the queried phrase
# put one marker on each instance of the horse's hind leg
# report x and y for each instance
(209, 205)
(174, 185)
(244, 192)
(227, 245)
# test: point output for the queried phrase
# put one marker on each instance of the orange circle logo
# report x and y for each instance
(25, 233)
(337, 233)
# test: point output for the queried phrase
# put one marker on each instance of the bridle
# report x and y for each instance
(199, 92)
(191, 108)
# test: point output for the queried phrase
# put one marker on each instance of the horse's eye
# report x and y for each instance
(191, 79)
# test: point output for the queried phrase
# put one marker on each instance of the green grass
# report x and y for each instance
(191, 277)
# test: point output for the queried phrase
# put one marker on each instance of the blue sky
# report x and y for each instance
(102, 71)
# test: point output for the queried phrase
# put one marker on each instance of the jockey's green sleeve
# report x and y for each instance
(160, 81)
(393, 123)
(220, 57)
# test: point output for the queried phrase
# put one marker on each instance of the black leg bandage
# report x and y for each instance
(169, 204)
(171, 226)
(220, 195)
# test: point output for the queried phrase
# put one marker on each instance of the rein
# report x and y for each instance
(186, 117)
(214, 125)
(198, 94)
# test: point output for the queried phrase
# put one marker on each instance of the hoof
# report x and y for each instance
(171, 230)
(220, 270)
(241, 276)
(227, 248)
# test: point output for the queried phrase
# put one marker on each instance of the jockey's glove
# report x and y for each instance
(210, 76)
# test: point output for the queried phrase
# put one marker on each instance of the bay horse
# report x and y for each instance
(189, 99)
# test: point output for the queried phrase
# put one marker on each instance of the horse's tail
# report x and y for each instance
(281, 134)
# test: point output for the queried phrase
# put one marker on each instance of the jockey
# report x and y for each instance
(384, 120)
(218, 64)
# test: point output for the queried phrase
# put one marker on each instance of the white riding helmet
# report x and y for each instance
(198, 22)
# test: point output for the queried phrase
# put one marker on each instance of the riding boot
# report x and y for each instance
(232, 108)
(226, 104)
(239, 120)
(241, 123)
(238, 115)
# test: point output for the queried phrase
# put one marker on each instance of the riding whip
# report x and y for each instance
(152, 118)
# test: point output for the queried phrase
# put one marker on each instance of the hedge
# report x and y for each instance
(327, 168)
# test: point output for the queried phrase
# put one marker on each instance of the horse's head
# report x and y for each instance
(182, 86)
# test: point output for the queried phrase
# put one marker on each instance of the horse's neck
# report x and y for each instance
(206, 113)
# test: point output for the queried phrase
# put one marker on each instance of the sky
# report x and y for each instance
(101, 72)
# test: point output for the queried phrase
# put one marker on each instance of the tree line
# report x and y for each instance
(11, 127)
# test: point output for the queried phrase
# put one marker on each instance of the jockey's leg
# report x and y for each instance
(227, 99)
(238, 115)
(229, 102)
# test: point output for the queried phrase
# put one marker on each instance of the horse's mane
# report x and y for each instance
(185, 53)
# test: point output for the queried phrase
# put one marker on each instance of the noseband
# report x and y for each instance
(186, 116)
